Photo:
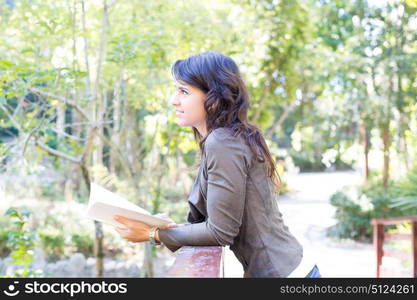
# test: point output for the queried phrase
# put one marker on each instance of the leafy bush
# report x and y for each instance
(56, 245)
(4, 249)
(406, 189)
(307, 162)
(353, 220)
(283, 187)
(83, 243)
(354, 212)
(49, 191)
(53, 243)
(340, 164)
(61, 230)
(20, 241)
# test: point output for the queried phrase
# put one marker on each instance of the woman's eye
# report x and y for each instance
(184, 92)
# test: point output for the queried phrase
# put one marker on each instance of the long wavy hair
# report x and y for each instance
(227, 102)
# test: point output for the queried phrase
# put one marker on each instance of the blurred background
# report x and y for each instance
(84, 96)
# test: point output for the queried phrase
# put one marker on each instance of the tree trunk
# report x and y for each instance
(402, 141)
(99, 248)
(386, 139)
(148, 261)
(60, 122)
(99, 234)
(366, 146)
(68, 190)
(115, 136)
(97, 112)
(148, 256)
(98, 151)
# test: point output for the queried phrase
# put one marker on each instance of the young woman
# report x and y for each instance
(233, 199)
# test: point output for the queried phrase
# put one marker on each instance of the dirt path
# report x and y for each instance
(308, 214)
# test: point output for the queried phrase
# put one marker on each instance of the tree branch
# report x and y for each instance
(57, 153)
(68, 135)
(62, 99)
(282, 118)
(127, 167)
(31, 133)
(262, 102)
(10, 117)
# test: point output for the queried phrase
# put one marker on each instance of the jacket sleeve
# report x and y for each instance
(227, 168)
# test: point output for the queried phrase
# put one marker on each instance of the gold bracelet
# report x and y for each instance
(152, 239)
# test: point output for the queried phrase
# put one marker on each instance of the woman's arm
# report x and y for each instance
(136, 231)
(227, 167)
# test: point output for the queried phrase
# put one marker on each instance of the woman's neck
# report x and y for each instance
(202, 129)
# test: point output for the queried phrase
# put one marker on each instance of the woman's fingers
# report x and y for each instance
(167, 226)
(123, 220)
(129, 223)
(122, 231)
(132, 230)
(171, 225)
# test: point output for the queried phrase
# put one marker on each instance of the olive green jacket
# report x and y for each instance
(232, 203)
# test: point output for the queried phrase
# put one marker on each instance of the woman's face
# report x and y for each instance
(188, 101)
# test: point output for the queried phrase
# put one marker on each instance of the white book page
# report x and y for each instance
(104, 196)
(104, 204)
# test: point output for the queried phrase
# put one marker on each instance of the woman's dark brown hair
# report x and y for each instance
(226, 103)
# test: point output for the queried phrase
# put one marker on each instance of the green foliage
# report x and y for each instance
(283, 187)
(50, 191)
(189, 157)
(4, 249)
(406, 189)
(58, 245)
(52, 242)
(353, 221)
(20, 240)
(354, 212)
(84, 243)
(307, 161)
(318, 147)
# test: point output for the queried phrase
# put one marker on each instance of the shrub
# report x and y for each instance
(4, 249)
(406, 189)
(20, 241)
(53, 243)
(354, 212)
(307, 162)
(353, 220)
(83, 242)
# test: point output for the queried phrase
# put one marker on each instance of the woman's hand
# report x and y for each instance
(136, 231)
(132, 230)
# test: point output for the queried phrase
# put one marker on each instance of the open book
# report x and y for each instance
(104, 204)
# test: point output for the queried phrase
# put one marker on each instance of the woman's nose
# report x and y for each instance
(174, 100)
